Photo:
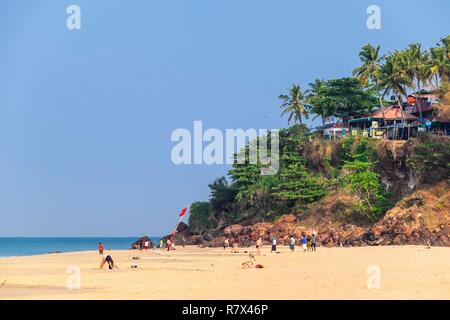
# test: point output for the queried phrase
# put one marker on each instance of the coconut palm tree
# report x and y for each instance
(370, 68)
(445, 43)
(369, 71)
(312, 93)
(293, 105)
(416, 64)
(439, 64)
(393, 78)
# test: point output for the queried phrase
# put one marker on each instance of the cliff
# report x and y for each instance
(415, 173)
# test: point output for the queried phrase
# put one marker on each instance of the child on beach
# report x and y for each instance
(100, 248)
(292, 244)
(308, 243)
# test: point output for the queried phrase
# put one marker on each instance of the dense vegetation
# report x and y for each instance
(246, 194)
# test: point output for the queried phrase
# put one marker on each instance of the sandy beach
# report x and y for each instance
(407, 272)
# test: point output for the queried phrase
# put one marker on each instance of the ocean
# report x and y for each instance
(18, 246)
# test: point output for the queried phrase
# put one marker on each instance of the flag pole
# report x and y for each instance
(183, 211)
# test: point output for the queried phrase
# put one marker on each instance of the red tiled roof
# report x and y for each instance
(393, 113)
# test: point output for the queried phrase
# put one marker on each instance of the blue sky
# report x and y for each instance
(86, 115)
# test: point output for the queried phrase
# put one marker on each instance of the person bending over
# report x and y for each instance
(108, 259)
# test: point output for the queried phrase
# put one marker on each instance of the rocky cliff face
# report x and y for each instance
(420, 219)
(421, 214)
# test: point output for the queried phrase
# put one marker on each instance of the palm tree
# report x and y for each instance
(393, 78)
(312, 93)
(445, 45)
(370, 68)
(439, 64)
(416, 62)
(293, 104)
(369, 71)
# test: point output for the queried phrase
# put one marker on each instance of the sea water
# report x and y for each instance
(19, 246)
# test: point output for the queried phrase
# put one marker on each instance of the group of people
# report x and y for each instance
(143, 245)
(308, 243)
(163, 244)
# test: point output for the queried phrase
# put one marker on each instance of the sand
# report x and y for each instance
(406, 272)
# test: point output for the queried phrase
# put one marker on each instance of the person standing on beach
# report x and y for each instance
(274, 245)
(313, 242)
(226, 243)
(304, 241)
(183, 242)
(146, 245)
(258, 245)
(292, 244)
(308, 243)
(100, 248)
(161, 243)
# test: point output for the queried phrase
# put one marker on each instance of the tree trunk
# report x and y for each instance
(401, 111)
(417, 100)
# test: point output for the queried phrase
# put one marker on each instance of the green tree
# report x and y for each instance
(313, 95)
(293, 105)
(344, 98)
(298, 185)
(416, 66)
(200, 217)
(360, 178)
(369, 71)
(439, 64)
(393, 78)
(370, 68)
(222, 195)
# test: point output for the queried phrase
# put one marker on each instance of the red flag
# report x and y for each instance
(183, 212)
